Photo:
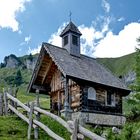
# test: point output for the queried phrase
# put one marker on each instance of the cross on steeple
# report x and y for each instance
(70, 14)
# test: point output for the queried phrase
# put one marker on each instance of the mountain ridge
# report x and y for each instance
(24, 62)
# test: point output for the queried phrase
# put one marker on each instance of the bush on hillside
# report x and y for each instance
(14, 79)
(18, 78)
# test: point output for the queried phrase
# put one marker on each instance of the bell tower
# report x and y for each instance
(71, 39)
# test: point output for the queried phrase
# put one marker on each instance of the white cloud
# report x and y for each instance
(55, 39)
(8, 11)
(118, 45)
(121, 19)
(87, 39)
(20, 32)
(106, 6)
(34, 51)
(91, 36)
(27, 39)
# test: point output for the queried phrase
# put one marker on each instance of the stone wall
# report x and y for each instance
(100, 119)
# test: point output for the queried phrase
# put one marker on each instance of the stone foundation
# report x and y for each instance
(100, 119)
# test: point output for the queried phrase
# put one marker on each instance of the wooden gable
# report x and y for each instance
(43, 73)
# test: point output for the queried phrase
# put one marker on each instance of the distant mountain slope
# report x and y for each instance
(24, 62)
(119, 66)
(11, 65)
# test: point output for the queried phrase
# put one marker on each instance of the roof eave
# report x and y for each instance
(63, 33)
(127, 91)
(35, 71)
(55, 61)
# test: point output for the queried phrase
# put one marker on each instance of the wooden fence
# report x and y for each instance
(9, 103)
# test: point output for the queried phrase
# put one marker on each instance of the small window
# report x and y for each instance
(74, 40)
(91, 93)
(62, 77)
(65, 40)
(110, 98)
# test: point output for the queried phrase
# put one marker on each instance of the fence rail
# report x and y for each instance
(11, 103)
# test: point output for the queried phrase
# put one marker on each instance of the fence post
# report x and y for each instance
(1, 104)
(75, 130)
(28, 104)
(37, 116)
(30, 120)
(11, 102)
(5, 104)
(15, 95)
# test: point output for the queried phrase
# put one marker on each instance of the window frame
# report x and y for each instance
(65, 40)
(112, 98)
(75, 40)
(93, 94)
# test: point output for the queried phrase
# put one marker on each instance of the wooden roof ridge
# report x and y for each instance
(70, 27)
(55, 61)
(46, 43)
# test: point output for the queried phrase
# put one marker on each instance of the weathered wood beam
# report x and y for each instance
(30, 120)
(89, 134)
(67, 108)
(59, 103)
(40, 88)
(66, 104)
(75, 104)
(5, 104)
(55, 117)
(1, 104)
(18, 102)
(50, 73)
(18, 113)
(86, 132)
(47, 70)
(75, 130)
(37, 116)
(47, 130)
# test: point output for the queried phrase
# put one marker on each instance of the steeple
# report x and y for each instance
(71, 39)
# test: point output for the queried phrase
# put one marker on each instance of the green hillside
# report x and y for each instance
(7, 77)
(119, 66)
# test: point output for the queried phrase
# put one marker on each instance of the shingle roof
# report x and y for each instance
(83, 67)
(70, 27)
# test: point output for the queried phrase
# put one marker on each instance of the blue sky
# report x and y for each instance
(109, 27)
